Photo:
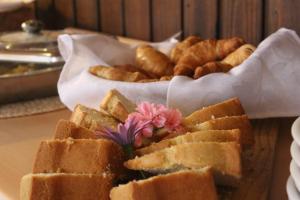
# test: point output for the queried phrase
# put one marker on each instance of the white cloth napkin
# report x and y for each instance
(267, 83)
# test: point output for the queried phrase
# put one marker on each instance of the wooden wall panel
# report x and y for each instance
(282, 13)
(45, 12)
(166, 18)
(111, 16)
(158, 19)
(64, 13)
(137, 19)
(87, 14)
(241, 18)
(200, 18)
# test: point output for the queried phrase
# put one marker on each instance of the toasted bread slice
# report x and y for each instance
(66, 129)
(92, 119)
(116, 74)
(227, 123)
(224, 158)
(198, 136)
(65, 186)
(79, 156)
(117, 105)
(230, 107)
(187, 184)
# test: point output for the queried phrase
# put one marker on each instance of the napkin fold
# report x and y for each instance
(267, 83)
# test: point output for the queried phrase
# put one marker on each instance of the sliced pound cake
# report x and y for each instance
(79, 156)
(65, 186)
(223, 157)
(187, 185)
(198, 136)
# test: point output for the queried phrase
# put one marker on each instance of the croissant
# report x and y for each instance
(180, 47)
(211, 67)
(239, 55)
(205, 51)
(152, 61)
(112, 73)
(130, 68)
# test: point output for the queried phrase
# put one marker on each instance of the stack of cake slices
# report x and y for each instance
(77, 164)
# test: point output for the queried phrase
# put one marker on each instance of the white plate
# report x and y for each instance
(295, 173)
(296, 131)
(292, 192)
(295, 152)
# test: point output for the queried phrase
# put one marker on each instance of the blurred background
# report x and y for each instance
(156, 20)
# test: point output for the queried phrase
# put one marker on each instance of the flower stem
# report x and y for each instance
(129, 152)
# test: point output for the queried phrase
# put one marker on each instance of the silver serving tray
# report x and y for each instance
(35, 84)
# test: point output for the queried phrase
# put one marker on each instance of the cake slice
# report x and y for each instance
(198, 136)
(117, 105)
(65, 186)
(224, 158)
(230, 107)
(187, 185)
(66, 129)
(79, 156)
(92, 119)
(227, 123)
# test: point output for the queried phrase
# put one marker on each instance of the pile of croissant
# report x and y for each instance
(191, 57)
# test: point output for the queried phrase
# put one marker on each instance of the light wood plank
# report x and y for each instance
(241, 18)
(111, 17)
(200, 18)
(87, 14)
(282, 13)
(137, 19)
(166, 18)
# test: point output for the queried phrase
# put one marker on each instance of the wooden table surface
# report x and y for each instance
(20, 137)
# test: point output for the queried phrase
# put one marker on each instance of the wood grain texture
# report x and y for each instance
(87, 14)
(45, 12)
(137, 19)
(111, 16)
(200, 18)
(12, 20)
(241, 18)
(282, 13)
(166, 18)
(257, 163)
(64, 13)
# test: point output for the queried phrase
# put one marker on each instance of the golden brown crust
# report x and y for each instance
(148, 80)
(238, 56)
(211, 67)
(130, 68)
(152, 61)
(181, 47)
(79, 156)
(65, 186)
(166, 78)
(116, 74)
(188, 185)
(227, 123)
(198, 136)
(230, 107)
(92, 119)
(224, 158)
(205, 51)
(66, 129)
(117, 105)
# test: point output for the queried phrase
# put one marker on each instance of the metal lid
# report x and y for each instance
(30, 45)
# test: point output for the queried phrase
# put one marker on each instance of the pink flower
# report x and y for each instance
(173, 119)
(153, 112)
